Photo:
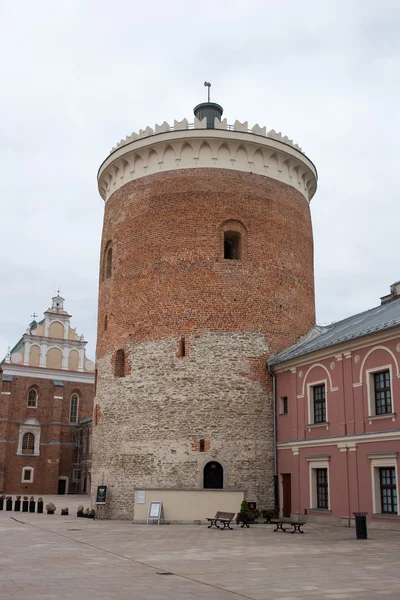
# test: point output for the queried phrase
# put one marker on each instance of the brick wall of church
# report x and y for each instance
(56, 440)
(169, 280)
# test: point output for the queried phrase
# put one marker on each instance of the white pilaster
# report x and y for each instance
(81, 359)
(43, 355)
(65, 357)
(27, 352)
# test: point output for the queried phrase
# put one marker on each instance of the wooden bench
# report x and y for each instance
(221, 517)
(279, 523)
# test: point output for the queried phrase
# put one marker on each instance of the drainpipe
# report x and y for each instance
(276, 503)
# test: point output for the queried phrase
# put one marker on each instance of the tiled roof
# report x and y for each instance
(380, 318)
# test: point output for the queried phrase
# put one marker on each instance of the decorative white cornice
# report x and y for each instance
(233, 148)
(43, 373)
(349, 440)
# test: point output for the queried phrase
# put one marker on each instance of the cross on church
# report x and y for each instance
(34, 315)
(208, 85)
(58, 291)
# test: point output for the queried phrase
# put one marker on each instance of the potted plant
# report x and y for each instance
(268, 515)
(86, 513)
(254, 514)
(79, 511)
(50, 508)
(243, 515)
(64, 511)
(92, 514)
(40, 505)
(9, 503)
(32, 504)
(25, 504)
(17, 503)
(2, 498)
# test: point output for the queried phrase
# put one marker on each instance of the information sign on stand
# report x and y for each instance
(155, 512)
(101, 495)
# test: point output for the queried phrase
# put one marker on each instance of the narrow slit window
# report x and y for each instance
(119, 370)
(108, 262)
(202, 445)
(182, 347)
(232, 245)
(105, 322)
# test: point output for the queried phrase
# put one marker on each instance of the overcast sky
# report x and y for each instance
(78, 76)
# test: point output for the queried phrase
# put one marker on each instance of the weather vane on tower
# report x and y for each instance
(208, 85)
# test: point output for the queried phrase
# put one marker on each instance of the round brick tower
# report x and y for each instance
(206, 270)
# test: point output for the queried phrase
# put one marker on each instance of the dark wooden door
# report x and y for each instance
(61, 486)
(287, 495)
(213, 476)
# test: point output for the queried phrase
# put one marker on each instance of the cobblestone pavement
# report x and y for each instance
(52, 557)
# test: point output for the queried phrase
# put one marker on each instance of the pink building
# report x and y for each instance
(338, 436)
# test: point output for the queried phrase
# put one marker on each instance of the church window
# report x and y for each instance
(73, 409)
(232, 245)
(28, 443)
(119, 368)
(32, 398)
(105, 322)
(27, 474)
(202, 444)
(107, 267)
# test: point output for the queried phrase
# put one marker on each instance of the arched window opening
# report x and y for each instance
(213, 476)
(32, 398)
(232, 245)
(108, 262)
(119, 369)
(28, 443)
(73, 409)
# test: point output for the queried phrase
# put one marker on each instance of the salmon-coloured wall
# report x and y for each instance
(350, 479)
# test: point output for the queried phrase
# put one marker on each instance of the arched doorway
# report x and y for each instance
(213, 476)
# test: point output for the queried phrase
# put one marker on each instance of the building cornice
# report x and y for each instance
(43, 373)
(236, 149)
(360, 438)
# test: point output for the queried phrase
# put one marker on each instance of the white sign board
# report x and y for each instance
(155, 511)
(141, 496)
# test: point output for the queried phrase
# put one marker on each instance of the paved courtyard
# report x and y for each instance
(52, 557)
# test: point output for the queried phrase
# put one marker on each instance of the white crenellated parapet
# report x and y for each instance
(193, 146)
(184, 124)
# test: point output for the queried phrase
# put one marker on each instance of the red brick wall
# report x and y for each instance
(169, 277)
(56, 449)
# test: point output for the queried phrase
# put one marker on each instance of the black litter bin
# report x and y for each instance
(361, 525)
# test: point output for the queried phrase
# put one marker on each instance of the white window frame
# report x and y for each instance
(314, 463)
(382, 461)
(369, 374)
(310, 397)
(77, 408)
(29, 426)
(27, 397)
(76, 478)
(32, 472)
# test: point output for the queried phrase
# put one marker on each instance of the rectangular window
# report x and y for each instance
(76, 475)
(322, 488)
(202, 445)
(383, 399)
(388, 490)
(283, 405)
(27, 475)
(319, 403)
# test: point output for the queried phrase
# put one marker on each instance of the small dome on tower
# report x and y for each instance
(211, 110)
